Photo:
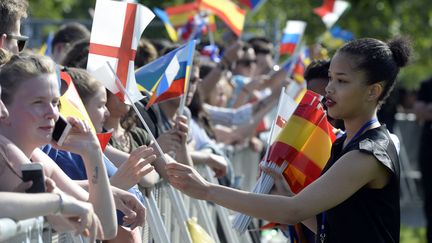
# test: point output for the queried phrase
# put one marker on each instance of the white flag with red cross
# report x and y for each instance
(116, 31)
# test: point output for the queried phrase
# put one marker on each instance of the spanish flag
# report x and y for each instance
(304, 143)
(228, 11)
(179, 15)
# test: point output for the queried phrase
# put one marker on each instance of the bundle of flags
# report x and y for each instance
(304, 143)
(300, 150)
(117, 44)
(168, 76)
(331, 10)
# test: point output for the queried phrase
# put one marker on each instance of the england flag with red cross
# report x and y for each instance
(116, 31)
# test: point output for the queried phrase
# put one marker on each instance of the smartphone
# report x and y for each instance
(61, 130)
(34, 172)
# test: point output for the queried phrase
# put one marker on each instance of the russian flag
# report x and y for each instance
(291, 36)
(159, 77)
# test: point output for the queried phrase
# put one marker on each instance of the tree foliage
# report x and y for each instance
(381, 19)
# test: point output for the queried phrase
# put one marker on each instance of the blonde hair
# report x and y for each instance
(20, 68)
(5, 56)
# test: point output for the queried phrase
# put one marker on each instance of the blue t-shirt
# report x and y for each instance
(73, 165)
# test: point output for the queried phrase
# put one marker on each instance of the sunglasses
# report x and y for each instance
(247, 63)
(21, 40)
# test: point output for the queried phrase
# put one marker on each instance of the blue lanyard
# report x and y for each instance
(322, 234)
(361, 130)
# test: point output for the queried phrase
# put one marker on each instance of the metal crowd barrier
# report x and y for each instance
(408, 131)
(167, 209)
(28, 230)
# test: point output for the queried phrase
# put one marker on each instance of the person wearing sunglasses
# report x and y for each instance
(11, 13)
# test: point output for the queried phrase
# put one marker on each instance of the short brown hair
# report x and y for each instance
(10, 12)
(85, 84)
(20, 68)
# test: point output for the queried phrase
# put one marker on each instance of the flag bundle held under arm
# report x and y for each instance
(168, 76)
(300, 150)
(116, 31)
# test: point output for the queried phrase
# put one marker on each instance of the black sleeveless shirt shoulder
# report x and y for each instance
(369, 215)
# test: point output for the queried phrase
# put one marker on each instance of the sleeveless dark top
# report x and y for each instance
(369, 215)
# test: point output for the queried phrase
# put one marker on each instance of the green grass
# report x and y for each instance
(412, 235)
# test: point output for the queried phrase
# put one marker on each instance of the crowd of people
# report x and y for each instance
(99, 193)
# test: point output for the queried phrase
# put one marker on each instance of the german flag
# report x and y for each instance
(71, 105)
(304, 143)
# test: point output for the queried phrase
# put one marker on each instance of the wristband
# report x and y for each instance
(60, 207)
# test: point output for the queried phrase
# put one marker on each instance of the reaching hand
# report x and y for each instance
(131, 171)
(133, 210)
(169, 141)
(218, 164)
(233, 52)
(187, 180)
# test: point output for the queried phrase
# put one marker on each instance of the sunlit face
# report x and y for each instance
(34, 110)
(264, 63)
(116, 107)
(97, 110)
(347, 91)
(246, 65)
(221, 94)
